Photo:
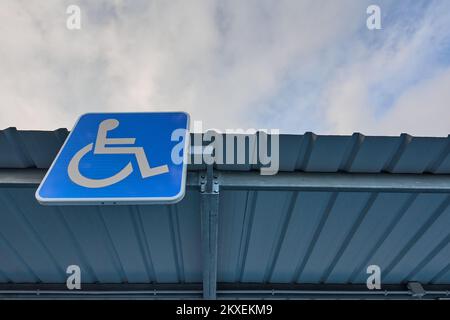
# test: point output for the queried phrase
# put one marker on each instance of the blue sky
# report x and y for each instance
(291, 65)
(403, 29)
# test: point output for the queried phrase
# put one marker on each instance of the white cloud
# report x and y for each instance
(424, 109)
(404, 68)
(222, 61)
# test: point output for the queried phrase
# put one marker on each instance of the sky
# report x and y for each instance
(292, 65)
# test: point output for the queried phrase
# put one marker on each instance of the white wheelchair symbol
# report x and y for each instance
(101, 148)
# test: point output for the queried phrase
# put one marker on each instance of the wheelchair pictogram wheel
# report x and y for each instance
(76, 176)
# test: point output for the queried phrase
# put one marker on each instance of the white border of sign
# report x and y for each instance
(120, 201)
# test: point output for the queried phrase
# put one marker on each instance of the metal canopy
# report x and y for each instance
(338, 205)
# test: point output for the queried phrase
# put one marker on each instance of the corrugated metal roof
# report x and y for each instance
(135, 244)
(264, 237)
(275, 236)
(308, 152)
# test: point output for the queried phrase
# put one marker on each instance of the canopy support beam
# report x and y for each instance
(306, 181)
(209, 206)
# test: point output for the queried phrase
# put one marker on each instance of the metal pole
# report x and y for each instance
(209, 206)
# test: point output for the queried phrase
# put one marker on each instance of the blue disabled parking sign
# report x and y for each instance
(120, 158)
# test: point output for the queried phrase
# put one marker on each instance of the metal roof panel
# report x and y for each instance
(265, 236)
(309, 152)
